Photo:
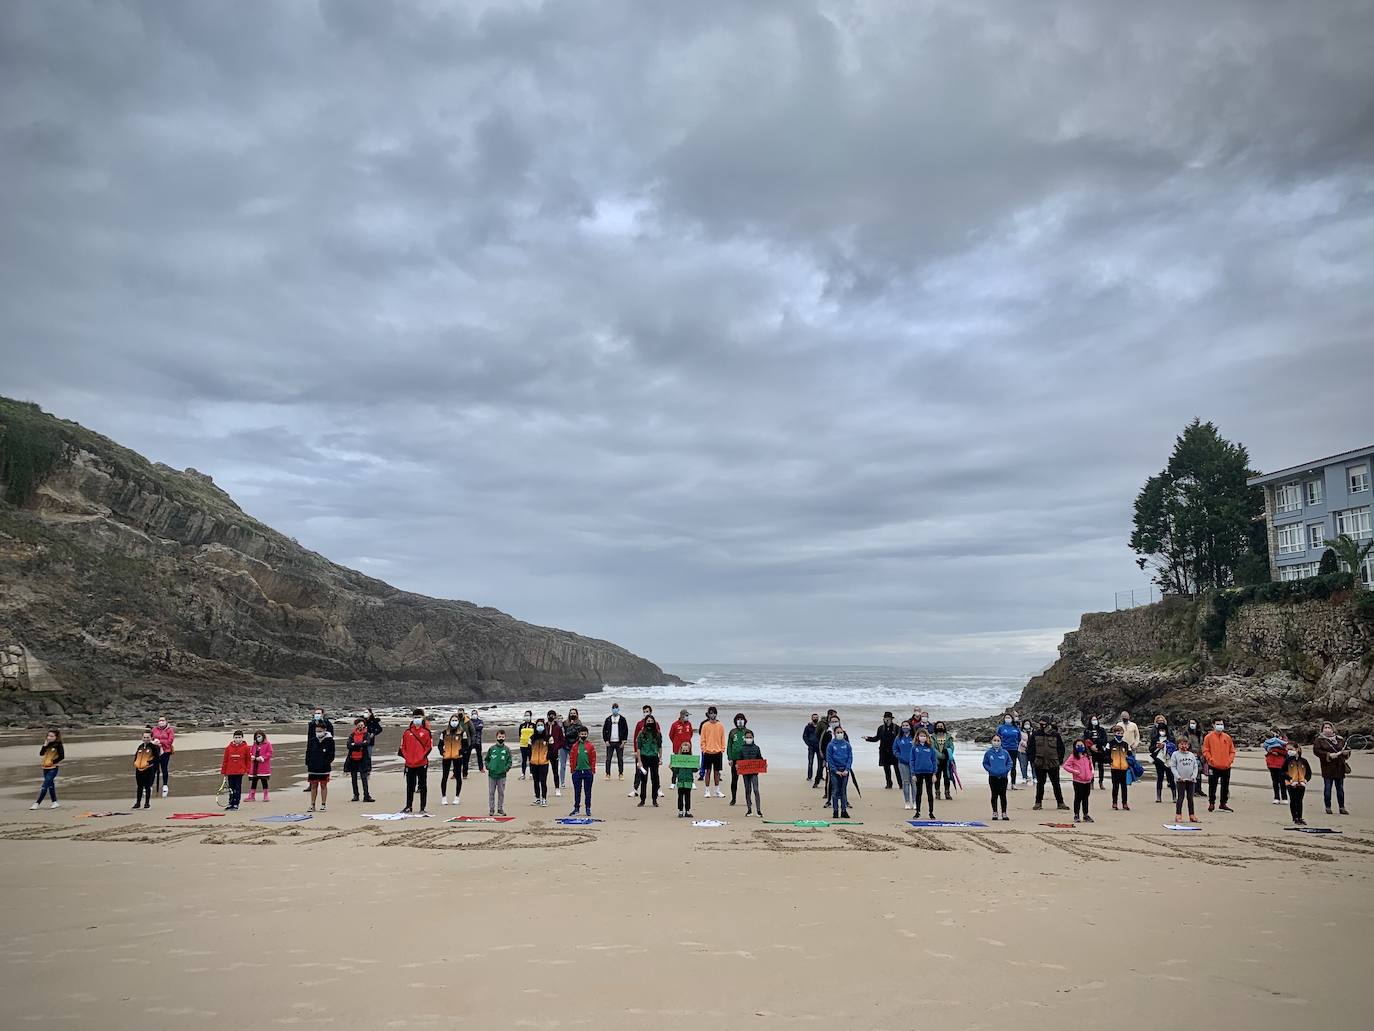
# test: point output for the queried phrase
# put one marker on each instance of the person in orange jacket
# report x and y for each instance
(416, 743)
(1219, 752)
(713, 751)
(237, 761)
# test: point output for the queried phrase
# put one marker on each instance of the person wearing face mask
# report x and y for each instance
(572, 727)
(1046, 756)
(51, 753)
(711, 714)
(358, 758)
(943, 742)
(1119, 751)
(496, 763)
(526, 732)
(615, 731)
(1162, 746)
(635, 785)
(1023, 753)
(733, 744)
(1187, 769)
(999, 765)
(318, 766)
(319, 719)
(811, 737)
(1095, 738)
(476, 726)
(925, 763)
(648, 749)
(1130, 732)
(261, 772)
(1296, 775)
(683, 778)
(1275, 759)
(1009, 737)
(541, 751)
(901, 751)
(453, 752)
(839, 760)
(416, 743)
(557, 751)
(753, 806)
(1333, 755)
(582, 759)
(1219, 752)
(234, 766)
(1080, 769)
(164, 733)
(827, 734)
(145, 770)
(886, 737)
(713, 751)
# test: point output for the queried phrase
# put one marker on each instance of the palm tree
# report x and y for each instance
(1352, 554)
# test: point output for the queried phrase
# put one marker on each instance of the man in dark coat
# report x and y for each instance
(885, 735)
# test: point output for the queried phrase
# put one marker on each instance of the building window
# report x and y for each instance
(1313, 490)
(1290, 540)
(1298, 572)
(1359, 478)
(1316, 537)
(1287, 499)
(1367, 572)
(1353, 522)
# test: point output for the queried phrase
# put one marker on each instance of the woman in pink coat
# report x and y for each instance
(262, 765)
(1080, 768)
(164, 731)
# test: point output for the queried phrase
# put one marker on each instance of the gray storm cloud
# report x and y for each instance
(775, 331)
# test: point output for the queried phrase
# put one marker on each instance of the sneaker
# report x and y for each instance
(641, 804)
(324, 808)
(407, 809)
(630, 794)
(918, 815)
(1343, 811)
(1211, 808)
(621, 777)
(442, 800)
(608, 776)
(1227, 809)
(655, 804)
(994, 816)
(55, 805)
(835, 815)
(588, 813)
(166, 789)
(312, 809)
(747, 812)
(557, 792)
(1115, 806)
(689, 814)
(491, 812)
(1125, 808)
(366, 798)
(1005, 816)
(576, 812)
(1193, 819)
(844, 814)
(1300, 823)
(1280, 802)
(906, 805)
(355, 798)
(1062, 807)
(1158, 801)
(732, 802)
(34, 806)
(1038, 806)
(1086, 819)
(500, 812)
(1076, 820)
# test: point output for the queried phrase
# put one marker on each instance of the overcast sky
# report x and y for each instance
(770, 331)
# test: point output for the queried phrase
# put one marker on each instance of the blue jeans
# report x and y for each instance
(1327, 783)
(839, 792)
(562, 777)
(164, 767)
(582, 784)
(49, 784)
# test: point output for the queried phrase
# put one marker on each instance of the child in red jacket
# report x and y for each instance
(238, 759)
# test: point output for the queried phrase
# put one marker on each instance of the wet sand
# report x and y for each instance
(141, 922)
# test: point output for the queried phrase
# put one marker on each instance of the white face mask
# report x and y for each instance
(539, 726)
(1094, 723)
(415, 721)
(839, 736)
(1218, 726)
(453, 723)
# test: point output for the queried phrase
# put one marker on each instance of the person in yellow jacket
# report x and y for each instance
(713, 751)
(453, 745)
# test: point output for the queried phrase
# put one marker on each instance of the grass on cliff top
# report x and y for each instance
(31, 438)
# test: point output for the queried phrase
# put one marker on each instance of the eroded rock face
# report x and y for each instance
(1288, 665)
(120, 575)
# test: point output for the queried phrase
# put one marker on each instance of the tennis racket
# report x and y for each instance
(1357, 742)
(222, 793)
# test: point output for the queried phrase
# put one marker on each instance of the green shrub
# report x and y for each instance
(1329, 564)
(29, 452)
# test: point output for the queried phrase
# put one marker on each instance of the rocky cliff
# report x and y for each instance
(1253, 663)
(124, 584)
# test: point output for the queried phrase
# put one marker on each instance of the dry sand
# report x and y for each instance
(646, 921)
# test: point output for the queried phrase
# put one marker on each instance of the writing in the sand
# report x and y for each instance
(1213, 850)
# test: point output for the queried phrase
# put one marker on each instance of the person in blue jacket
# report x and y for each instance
(839, 760)
(901, 751)
(1009, 736)
(1000, 764)
(925, 760)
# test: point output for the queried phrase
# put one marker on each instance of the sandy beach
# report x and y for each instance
(138, 921)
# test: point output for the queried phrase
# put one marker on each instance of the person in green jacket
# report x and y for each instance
(498, 762)
(683, 778)
(749, 750)
(648, 747)
(732, 746)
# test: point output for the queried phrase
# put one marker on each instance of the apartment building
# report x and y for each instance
(1307, 505)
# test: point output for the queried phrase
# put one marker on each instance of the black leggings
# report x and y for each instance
(1280, 783)
(456, 766)
(997, 786)
(255, 782)
(143, 783)
(684, 800)
(942, 774)
(524, 760)
(734, 784)
(926, 781)
(1101, 771)
(1163, 775)
(649, 781)
(617, 749)
(1184, 789)
(417, 778)
(540, 772)
(1295, 797)
(1081, 793)
(1119, 786)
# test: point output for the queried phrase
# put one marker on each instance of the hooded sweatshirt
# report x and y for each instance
(238, 758)
(1080, 768)
(321, 759)
(997, 760)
